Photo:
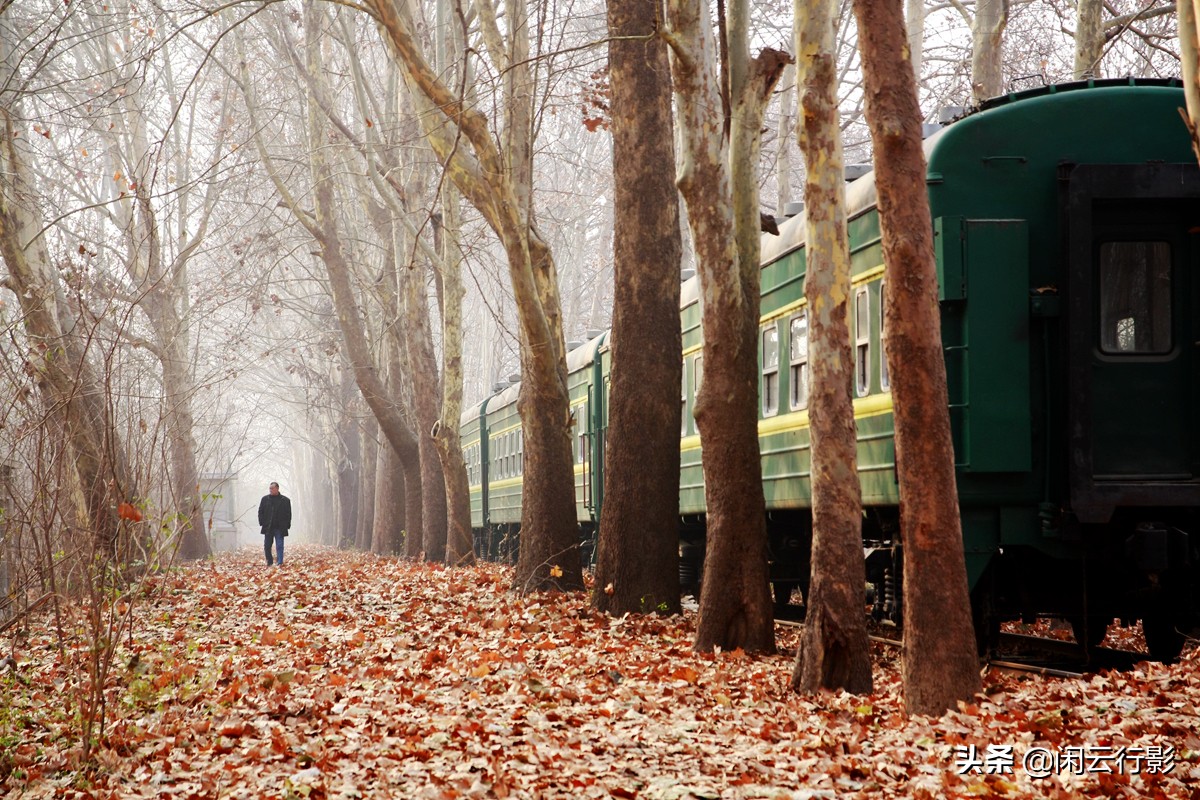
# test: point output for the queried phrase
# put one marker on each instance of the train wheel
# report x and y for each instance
(1163, 639)
(1089, 630)
(984, 616)
(783, 597)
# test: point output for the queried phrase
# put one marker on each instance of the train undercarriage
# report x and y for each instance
(1129, 570)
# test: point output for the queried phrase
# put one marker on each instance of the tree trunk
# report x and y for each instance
(185, 473)
(987, 53)
(460, 544)
(349, 475)
(735, 604)
(939, 661)
(549, 530)
(73, 394)
(366, 484)
(1189, 55)
(1089, 38)
(160, 294)
(433, 500)
(787, 121)
(391, 503)
(915, 24)
(498, 185)
(427, 394)
(833, 652)
(638, 551)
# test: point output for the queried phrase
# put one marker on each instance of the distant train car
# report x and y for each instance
(1065, 221)
(494, 444)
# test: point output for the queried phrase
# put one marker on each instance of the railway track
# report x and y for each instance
(1023, 654)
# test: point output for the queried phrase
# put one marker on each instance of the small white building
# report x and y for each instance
(218, 496)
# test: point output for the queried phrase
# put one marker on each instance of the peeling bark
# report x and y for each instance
(987, 52)
(1189, 52)
(833, 652)
(1089, 38)
(735, 604)
(940, 666)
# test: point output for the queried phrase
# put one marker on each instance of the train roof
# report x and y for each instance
(577, 359)
(1072, 86)
(861, 194)
(586, 353)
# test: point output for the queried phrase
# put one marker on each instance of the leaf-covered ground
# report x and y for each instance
(345, 676)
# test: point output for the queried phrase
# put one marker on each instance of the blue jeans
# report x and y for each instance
(277, 536)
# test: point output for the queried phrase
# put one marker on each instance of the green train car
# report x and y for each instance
(493, 445)
(1064, 220)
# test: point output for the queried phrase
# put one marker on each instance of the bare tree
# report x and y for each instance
(69, 383)
(322, 224)
(497, 181)
(833, 652)
(987, 54)
(940, 666)
(718, 181)
(639, 530)
(1189, 46)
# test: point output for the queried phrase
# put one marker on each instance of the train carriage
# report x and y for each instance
(493, 444)
(1064, 222)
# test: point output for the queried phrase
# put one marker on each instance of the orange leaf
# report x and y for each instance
(686, 674)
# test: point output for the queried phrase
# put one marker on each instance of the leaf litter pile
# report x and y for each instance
(345, 675)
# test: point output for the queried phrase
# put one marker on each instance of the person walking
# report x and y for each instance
(275, 517)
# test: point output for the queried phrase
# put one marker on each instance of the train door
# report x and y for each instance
(1133, 344)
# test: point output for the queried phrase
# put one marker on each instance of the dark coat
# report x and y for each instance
(275, 513)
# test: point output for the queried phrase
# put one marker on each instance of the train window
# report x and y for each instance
(798, 355)
(697, 379)
(582, 428)
(1135, 297)
(683, 415)
(885, 380)
(770, 370)
(520, 451)
(862, 343)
